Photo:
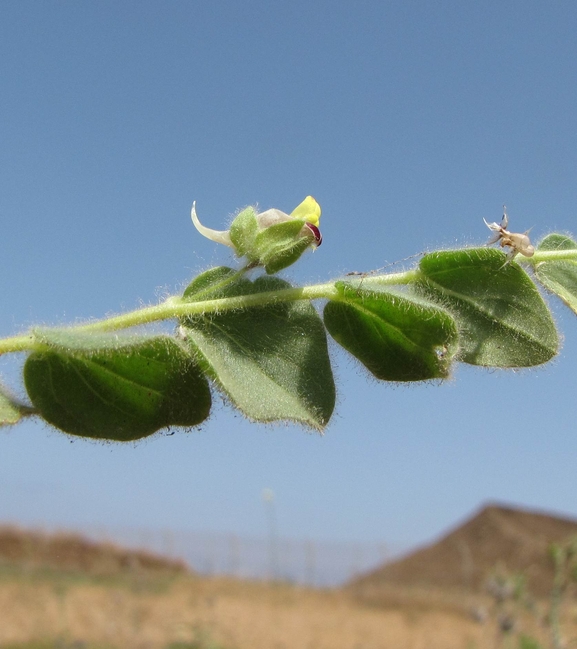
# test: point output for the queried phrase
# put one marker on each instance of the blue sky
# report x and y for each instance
(408, 121)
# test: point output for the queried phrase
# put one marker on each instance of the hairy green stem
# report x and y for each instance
(548, 255)
(16, 343)
(177, 307)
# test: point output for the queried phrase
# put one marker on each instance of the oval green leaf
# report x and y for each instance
(559, 277)
(271, 361)
(397, 337)
(210, 285)
(125, 389)
(503, 321)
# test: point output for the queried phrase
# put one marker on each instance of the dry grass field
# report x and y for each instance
(188, 612)
(63, 592)
(223, 613)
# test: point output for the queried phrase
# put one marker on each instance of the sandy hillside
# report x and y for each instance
(73, 552)
(510, 540)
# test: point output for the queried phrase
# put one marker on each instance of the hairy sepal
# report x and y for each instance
(11, 410)
(281, 245)
(275, 247)
(243, 231)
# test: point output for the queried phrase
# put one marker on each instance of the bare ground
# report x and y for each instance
(234, 615)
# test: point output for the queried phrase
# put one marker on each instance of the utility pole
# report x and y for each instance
(270, 512)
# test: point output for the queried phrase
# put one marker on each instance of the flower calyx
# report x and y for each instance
(272, 239)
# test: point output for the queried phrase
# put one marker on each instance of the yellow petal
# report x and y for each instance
(309, 210)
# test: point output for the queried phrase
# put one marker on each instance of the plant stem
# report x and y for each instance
(548, 255)
(177, 307)
(16, 343)
(392, 279)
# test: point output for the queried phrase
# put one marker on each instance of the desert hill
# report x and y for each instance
(71, 552)
(497, 537)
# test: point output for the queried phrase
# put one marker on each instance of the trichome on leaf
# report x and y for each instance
(261, 343)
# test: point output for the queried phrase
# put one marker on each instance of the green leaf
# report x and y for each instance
(210, 285)
(272, 361)
(502, 318)
(397, 337)
(114, 387)
(559, 277)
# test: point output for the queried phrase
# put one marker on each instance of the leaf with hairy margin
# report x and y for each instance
(559, 276)
(114, 387)
(397, 337)
(271, 361)
(503, 321)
